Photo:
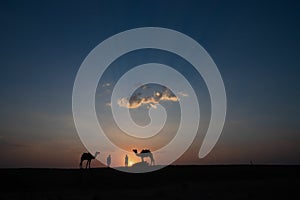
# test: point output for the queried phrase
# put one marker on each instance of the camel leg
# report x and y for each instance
(152, 160)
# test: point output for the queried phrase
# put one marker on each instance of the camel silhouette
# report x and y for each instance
(88, 157)
(145, 153)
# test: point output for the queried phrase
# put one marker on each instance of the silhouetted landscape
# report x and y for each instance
(171, 182)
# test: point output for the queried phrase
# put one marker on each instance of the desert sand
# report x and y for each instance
(171, 182)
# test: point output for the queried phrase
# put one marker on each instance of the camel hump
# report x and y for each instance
(145, 151)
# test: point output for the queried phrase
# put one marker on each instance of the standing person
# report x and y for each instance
(108, 160)
(126, 161)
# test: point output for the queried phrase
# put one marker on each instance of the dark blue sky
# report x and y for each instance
(255, 45)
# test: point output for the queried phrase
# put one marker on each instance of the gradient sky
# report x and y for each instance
(254, 44)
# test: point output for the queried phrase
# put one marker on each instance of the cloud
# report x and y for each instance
(183, 94)
(153, 106)
(104, 90)
(151, 101)
(145, 87)
(106, 85)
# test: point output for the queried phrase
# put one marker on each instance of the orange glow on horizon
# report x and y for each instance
(130, 163)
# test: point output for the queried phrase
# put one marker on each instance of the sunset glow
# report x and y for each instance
(130, 163)
(255, 46)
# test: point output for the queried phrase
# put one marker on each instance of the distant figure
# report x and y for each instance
(145, 153)
(88, 157)
(108, 160)
(126, 161)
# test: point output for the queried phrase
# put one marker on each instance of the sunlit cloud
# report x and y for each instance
(150, 101)
(153, 106)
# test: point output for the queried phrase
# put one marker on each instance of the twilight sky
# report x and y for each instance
(254, 44)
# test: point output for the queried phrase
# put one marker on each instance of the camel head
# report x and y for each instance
(134, 150)
(96, 154)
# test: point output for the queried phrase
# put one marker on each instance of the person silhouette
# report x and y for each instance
(126, 161)
(108, 160)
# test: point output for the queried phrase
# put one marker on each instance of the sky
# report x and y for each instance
(255, 45)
